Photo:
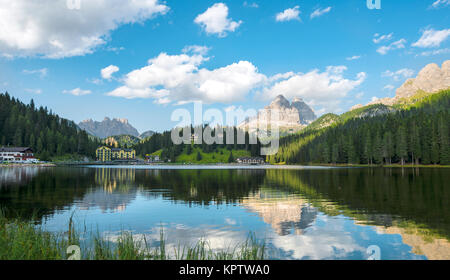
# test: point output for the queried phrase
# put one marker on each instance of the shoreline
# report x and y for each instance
(28, 165)
(222, 165)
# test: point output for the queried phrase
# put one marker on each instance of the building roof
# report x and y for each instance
(250, 158)
(118, 150)
(15, 149)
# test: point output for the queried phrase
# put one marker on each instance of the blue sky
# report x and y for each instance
(158, 56)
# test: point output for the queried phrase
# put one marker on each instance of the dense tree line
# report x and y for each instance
(418, 134)
(23, 125)
(163, 141)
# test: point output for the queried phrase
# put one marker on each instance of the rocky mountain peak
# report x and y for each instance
(430, 79)
(109, 127)
(295, 115)
(280, 102)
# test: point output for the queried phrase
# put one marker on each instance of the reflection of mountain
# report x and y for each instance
(19, 175)
(395, 201)
(432, 248)
(282, 211)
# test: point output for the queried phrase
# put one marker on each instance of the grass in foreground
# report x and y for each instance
(21, 240)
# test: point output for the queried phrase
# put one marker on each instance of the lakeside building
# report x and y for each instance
(17, 154)
(152, 158)
(250, 160)
(106, 154)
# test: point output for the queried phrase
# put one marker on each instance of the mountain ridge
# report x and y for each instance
(108, 127)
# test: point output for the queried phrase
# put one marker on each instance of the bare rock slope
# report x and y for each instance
(295, 115)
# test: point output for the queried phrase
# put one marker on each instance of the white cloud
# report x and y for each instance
(377, 38)
(440, 3)
(202, 50)
(324, 89)
(48, 28)
(77, 92)
(389, 87)
(179, 78)
(432, 38)
(109, 71)
(355, 57)
(215, 20)
(435, 52)
(397, 75)
(320, 12)
(41, 72)
(400, 44)
(250, 5)
(289, 14)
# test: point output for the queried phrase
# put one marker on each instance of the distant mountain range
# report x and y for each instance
(108, 127)
(112, 127)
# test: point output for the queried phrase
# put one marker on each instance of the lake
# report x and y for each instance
(300, 212)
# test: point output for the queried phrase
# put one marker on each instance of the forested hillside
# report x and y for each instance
(46, 133)
(418, 134)
(163, 141)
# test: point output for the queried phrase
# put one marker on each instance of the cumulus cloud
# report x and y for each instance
(109, 71)
(322, 89)
(397, 75)
(320, 12)
(215, 20)
(432, 38)
(377, 38)
(400, 44)
(289, 14)
(77, 92)
(179, 78)
(48, 28)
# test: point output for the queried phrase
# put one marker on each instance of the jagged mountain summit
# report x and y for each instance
(431, 79)
(292, 116)
(108, 127)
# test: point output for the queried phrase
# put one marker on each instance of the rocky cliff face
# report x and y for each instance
(293, 115)
(108, 127)
(430, 79)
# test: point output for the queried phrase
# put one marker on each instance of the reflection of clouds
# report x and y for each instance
(229, 221)
(177, 236)
(105, 200)
(332, 242)
(17, 175)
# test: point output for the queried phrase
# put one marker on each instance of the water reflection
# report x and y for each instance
(303, 214)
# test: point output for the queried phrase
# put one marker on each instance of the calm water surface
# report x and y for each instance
(301, 213)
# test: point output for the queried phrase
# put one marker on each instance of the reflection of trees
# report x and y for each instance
(283, 211)
(201, 187)
(52, 189)
(397, 201)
